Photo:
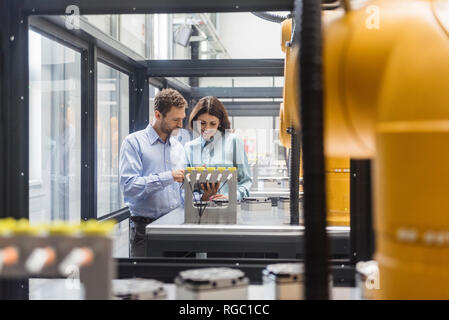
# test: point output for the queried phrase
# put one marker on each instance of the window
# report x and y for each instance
(257, 137)
(152, 94)
(112, 128)
(54, 131)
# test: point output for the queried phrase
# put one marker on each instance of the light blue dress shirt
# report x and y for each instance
(224, 150)
(146, 180)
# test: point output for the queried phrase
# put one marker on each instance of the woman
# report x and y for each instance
(216, 146)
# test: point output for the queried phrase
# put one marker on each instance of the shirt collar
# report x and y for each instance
(217, 137)
(203, 141)
(153, 136)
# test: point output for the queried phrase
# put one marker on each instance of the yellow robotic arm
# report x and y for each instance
(386, 97)
(337, 168)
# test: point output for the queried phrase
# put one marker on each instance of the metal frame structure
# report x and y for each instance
(95, 47)
(253, 109)
(238, 92)
(216, 68)
(58, 7)
(166, 269)
(362, 232)
(245, 241)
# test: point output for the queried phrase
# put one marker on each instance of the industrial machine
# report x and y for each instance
(337, 169)
(256, 203)
(80, 252)
(385, 79)
(215, 212)
(212, 284)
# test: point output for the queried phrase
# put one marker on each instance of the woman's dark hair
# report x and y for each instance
(214, 107)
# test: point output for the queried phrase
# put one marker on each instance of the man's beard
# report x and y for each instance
(167, 130)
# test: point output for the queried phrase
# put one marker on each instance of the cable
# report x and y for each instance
(308, 38)
(272, 17)
(200, 213)
(227, 179)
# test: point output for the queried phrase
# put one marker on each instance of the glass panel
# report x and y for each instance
(255, 135)
(54, 131)
(113, 127)
(261, 140)
(121, 240)
(236, 35)
(241, 82)
(106, 23)
(153, 92)
(132, 32)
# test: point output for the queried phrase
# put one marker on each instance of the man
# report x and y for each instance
(152, 165)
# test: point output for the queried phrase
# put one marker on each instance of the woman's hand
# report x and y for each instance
(219, 196)
(209, 189)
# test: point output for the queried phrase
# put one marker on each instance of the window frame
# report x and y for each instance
(91, 54)
(116, 65)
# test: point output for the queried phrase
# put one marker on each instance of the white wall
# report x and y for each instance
(246, 36)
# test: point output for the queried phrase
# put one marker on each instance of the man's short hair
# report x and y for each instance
(168, 98)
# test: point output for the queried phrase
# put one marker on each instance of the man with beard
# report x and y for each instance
(152, 165)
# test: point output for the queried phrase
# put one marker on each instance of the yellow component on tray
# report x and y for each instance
(200, 168)
(6, 226)
(232, 169)
(22, 227)
(94, 227)
(211, 168)
(221, 169)
(338, 191)
(63, 228)
(190, 169)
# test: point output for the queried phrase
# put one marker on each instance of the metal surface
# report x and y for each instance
(14, 110)
(272, 193)
(139, 289)
(212, 284)
(166, 269)
(89, 133)
(294, 163)
(155, 6)
(362, 232)
(207, 211)
(284, 281)
(216, 68)
(89, 33)
(96, 276)
(56, 289)
(139, 102)
(238, 92)
(57, 33)
(252, 109)
(255, 203)
(14, 126)
(118, 215)
(248, 238)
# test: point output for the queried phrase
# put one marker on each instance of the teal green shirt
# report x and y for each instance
(224, 150)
